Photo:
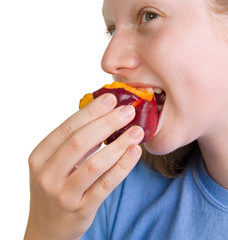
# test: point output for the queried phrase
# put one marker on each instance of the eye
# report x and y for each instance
(148, 16)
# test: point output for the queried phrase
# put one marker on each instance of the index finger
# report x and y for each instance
(97, 108)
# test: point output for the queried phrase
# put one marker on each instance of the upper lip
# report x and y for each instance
(155, 90)
(142, 85)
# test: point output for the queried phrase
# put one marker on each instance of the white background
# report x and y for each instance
(50, 52)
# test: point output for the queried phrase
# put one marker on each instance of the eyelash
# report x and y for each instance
(109, 32)
(151, 13)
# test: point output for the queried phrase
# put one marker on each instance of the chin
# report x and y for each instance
(158, 149)
(160, 144)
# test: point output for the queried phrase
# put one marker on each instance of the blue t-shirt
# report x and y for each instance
(147, 205)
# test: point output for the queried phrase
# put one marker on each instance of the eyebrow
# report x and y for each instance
(103, 11)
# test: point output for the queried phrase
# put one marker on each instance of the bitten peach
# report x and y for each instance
(144, 102)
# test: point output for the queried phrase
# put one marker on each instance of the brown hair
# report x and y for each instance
(170, 165)
(174, 163)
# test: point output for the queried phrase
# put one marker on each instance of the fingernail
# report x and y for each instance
(108, 100)
(136, 132)
(134, 151)
(127, 111)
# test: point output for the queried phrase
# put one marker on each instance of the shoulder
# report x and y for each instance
(145, 200)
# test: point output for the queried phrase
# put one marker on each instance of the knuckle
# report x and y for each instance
(122, 166)
(75, 142)
(32, 161)
(43, 183)
(107, 184)
(109, 121)
(65, 129)
(120, 145)
(92, 111)
(47, 185)
(92, 167)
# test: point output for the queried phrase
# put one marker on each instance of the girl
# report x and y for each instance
(180, 47)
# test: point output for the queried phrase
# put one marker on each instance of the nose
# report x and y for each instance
(120, 55)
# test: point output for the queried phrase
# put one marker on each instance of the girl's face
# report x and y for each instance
(175, 46)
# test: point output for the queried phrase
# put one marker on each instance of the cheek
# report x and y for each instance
(188, 69)
(184, 63)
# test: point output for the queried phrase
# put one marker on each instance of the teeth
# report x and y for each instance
(150, 90)
(158, 90)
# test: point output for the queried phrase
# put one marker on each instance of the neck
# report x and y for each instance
(215, 153)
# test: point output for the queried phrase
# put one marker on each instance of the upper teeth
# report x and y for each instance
(146, 89)
(150, 90)
(158, 90)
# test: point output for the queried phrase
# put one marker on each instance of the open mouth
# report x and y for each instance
(159, 94)
(160, 97)
(148, 102)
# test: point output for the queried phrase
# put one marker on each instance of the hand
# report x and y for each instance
(69, 178)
